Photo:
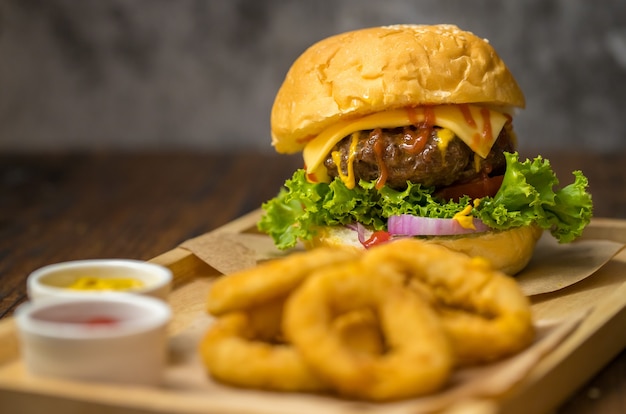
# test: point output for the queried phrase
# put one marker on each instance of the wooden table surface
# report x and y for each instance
(63, 207)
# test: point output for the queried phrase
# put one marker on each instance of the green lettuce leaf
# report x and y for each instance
(530, 194)
(527, 195)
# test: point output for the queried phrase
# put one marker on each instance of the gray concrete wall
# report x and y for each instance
(202, 74)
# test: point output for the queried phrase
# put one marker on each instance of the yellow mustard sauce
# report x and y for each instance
(465, 220)
(105, 283)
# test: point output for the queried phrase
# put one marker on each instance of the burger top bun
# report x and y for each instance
(371, 70)
(508, 251)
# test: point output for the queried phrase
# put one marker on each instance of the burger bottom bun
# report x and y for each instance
(508, 250)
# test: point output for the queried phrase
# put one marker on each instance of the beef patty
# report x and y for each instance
(412, 154)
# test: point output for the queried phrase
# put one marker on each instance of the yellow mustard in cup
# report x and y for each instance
(109, 283)
(100, 277)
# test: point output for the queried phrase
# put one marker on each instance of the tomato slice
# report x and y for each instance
(480, 188)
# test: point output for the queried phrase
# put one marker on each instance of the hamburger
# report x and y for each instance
(407, 131)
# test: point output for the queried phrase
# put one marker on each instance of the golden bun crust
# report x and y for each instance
(371, 70)
(508, 251)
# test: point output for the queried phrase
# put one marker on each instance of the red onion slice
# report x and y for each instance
(408, 225)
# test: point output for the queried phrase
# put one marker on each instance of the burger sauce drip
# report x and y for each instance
(378, 237)
(467, 115)
(487, 133)
(414, 142)
(412, 115)
(429, 116)
(469, 119)
(378, 152)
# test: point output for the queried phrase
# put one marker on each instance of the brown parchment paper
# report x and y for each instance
(556, 266)
(553, 267)
(231, 252)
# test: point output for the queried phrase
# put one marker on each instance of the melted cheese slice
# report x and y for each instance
(478, 127)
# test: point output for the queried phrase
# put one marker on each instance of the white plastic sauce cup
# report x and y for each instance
(118, 338)
(54, 280)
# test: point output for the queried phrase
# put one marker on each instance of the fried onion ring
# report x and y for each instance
(383, 324)
(247, 348)
(270, 280)
(417, 359)
(240, 349)
(484, 311)
(360, 331)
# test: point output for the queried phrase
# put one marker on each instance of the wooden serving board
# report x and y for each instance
(596, 340)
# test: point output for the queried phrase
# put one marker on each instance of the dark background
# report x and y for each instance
(201, 75)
